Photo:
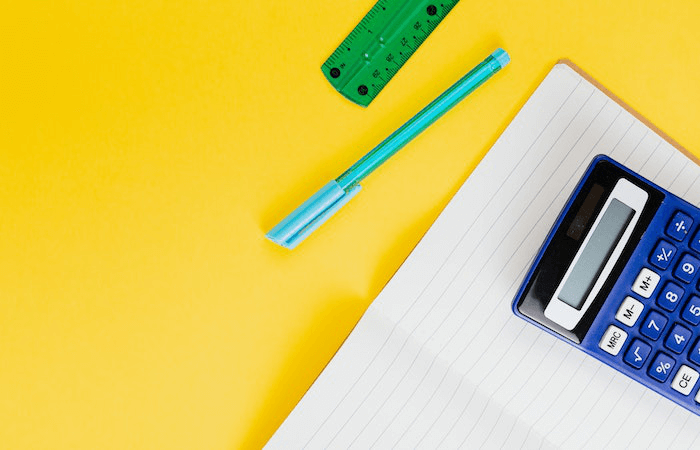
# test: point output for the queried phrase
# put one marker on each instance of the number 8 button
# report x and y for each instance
(669, 297)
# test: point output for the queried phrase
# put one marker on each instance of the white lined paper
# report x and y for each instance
(439, 359)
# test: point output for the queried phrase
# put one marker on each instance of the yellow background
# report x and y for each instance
(146, 146)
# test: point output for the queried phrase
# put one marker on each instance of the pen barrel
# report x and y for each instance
(422, 120)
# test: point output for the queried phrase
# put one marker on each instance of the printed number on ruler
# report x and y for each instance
(380, 45)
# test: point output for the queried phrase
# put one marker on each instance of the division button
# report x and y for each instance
(679, 226)
(646, 282)
(629, 311)
(612, 340)
(685, 380)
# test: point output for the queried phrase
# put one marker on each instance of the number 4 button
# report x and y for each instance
(678, 338)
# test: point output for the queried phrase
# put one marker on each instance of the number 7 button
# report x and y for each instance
(653, 325)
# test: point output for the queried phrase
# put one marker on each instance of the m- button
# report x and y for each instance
(629, 311)
(613, 340)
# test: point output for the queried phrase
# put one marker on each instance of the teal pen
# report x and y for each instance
(317, 209)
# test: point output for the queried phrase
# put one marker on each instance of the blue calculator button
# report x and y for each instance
(637, 353)
(695, 354)
(653, 325)
(691, 312)
(661, 368)
(670, 296)
(678, 338)
(662, 255)
(695, 243)
(687, 268)
(679, 226)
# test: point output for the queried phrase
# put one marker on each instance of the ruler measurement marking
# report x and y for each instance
(381, 44)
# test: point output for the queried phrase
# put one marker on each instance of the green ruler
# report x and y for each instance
(380, 44)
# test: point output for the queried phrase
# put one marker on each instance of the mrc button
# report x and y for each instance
(613, 340)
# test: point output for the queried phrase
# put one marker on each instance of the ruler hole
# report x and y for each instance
(432, 10)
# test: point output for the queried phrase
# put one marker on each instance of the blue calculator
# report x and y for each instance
(617, 277)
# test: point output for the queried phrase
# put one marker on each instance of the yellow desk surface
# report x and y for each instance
(146, 146)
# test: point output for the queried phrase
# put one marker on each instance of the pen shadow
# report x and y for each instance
(295, 375)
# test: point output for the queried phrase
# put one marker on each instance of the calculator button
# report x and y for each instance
(612, 340)
(687, 268)
(695, 353)
(691, 312)
(663, 254)
(629, 311)
(679, 226)
(646, 282)
(685, 380)
(695, 243)
(661, 367)
(637, 353)
(653, 325)
(678, 338)
(670, 296)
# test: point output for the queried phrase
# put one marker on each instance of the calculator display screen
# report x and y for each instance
(597, 251)
(588, 248)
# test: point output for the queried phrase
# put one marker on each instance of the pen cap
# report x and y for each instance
(311, 214)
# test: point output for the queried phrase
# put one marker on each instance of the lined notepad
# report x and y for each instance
(439, 359)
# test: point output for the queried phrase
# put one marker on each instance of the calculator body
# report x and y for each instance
(617, 277)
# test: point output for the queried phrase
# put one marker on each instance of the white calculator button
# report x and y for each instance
(646, 282)
(629, 311)
(613, 340)
(685, 380)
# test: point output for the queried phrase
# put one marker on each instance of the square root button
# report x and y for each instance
(637, 353)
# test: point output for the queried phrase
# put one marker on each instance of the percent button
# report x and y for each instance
(661, 368)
